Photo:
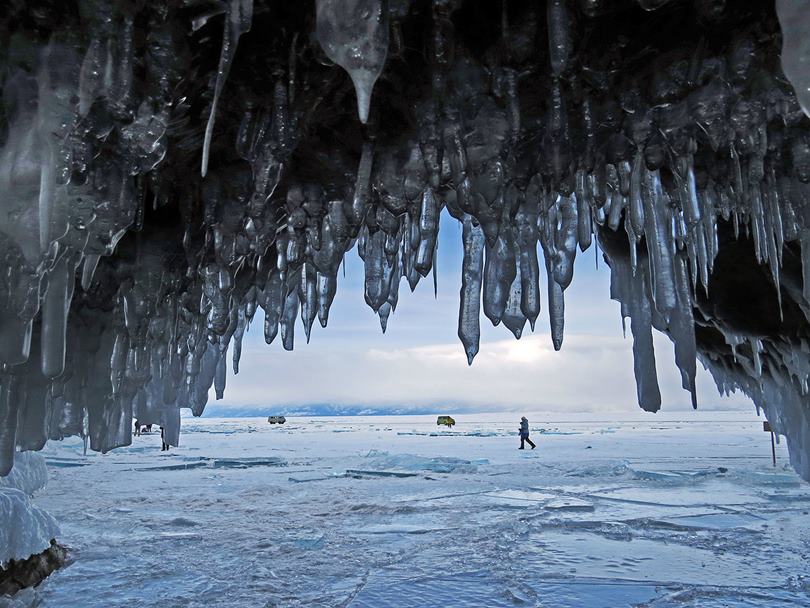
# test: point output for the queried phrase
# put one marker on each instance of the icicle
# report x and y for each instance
(288, 319)
(756, 349)
(15, 338)
(469, 331)
(805, 253)
(327, 288)
(435, 270)
(529, 268)
(649, 395)
(774, 255)
(355, 36)
(361, 186)
(308, 297)
(682, 330)
(376, 288)
(657, 233)
(273, 305)
(55, 306)
(632, 241)
(47, 185)
(499, 273)
(556, 306)
(237, 22)
(560, 40)
(636, 204)
(615, 205)
(241, 326)
(691, 205)
(775, 206)
(384, 313)
(513, 318)
(221, 374)
(428, 231)
(566, 241)
(90, 76)
(584, 227)
(9, 406)
(89, 269)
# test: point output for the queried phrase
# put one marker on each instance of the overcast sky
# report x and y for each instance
(420, 360)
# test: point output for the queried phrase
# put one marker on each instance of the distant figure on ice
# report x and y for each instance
(524, 433)
(165, 447)
(137, 428)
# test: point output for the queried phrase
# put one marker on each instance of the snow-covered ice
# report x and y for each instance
(26, 529)
(682, 509)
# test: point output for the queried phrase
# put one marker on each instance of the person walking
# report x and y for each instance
(165, 446)
(524, 434)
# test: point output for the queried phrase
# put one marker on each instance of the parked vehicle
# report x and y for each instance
(276, 419)
(445, 420)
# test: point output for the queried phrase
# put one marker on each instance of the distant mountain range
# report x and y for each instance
(330, 409)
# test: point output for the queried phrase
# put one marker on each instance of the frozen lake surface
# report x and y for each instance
(668, 510)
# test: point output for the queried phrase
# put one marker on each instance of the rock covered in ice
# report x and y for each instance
(26, 529)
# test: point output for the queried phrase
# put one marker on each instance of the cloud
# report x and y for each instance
(591, 373)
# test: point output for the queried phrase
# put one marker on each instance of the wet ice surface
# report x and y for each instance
(658, 511)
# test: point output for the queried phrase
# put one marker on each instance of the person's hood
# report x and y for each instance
(523, 418)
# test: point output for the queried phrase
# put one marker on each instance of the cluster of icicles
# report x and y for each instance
(86, 152)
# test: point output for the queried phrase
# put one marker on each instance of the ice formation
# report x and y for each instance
(664, 133)
(26, 529)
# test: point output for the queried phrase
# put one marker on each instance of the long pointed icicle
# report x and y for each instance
(469, 324)
(556, 308)
(354, 34)
(220, 376)
(513, 318)
(649, 395)
(237, 22)
(682, 330)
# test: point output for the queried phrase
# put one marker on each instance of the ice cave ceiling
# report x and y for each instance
(168, 168)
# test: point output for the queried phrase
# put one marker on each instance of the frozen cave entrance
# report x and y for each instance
(136, 254)
(168, 169)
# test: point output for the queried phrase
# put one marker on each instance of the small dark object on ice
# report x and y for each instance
(447, 421)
